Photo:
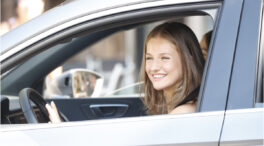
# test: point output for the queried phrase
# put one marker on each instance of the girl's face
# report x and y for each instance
(163, 64)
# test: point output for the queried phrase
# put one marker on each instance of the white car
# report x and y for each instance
(230, 104)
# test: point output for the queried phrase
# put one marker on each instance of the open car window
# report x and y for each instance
(116, 59)
(94, 73)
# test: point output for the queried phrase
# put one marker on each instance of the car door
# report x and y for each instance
(201, 128)
(244, 117)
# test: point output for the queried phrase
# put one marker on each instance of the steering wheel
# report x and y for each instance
(27, 94)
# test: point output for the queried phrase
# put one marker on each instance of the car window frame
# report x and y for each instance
(217, 71)
(260, 77)
(91, 25)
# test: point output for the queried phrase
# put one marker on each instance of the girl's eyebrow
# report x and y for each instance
(164, 53)
(161, 54)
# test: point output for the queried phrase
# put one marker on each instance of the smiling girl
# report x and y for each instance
(172, 69)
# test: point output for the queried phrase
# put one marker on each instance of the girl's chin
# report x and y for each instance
(158, 88)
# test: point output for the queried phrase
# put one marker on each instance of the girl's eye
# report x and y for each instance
(165, 58)
(148, 58)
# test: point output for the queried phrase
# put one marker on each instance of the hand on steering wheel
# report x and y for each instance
(53, 112)
(49, 113)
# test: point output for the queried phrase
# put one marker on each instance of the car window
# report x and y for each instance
(94, 73)
(116, 59)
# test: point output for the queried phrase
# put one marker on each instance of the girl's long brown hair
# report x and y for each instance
(191, 57)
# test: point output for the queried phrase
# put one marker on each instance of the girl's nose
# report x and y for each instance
(155, 65)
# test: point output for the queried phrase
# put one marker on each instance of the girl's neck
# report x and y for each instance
(168, 98)
(169, 94)
(170, 91)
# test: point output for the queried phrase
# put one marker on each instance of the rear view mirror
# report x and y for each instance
(78, 83)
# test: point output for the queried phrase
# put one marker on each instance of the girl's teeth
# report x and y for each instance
(158, 76)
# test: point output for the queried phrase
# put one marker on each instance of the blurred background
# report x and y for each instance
(17, 12)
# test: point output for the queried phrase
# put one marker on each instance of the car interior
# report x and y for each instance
(23, 85)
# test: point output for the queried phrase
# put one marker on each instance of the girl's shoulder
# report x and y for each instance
(185, 108)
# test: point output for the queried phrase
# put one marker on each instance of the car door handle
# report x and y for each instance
(109, 110)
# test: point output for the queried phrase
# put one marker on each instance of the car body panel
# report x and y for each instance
(188, 129)
(243, 127)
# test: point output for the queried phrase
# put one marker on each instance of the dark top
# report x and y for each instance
(191, 97)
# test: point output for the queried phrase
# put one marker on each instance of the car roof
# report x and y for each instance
(64, 12)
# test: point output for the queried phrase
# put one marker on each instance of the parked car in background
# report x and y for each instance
(230, 103)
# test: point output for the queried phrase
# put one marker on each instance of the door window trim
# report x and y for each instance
(260, 78)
